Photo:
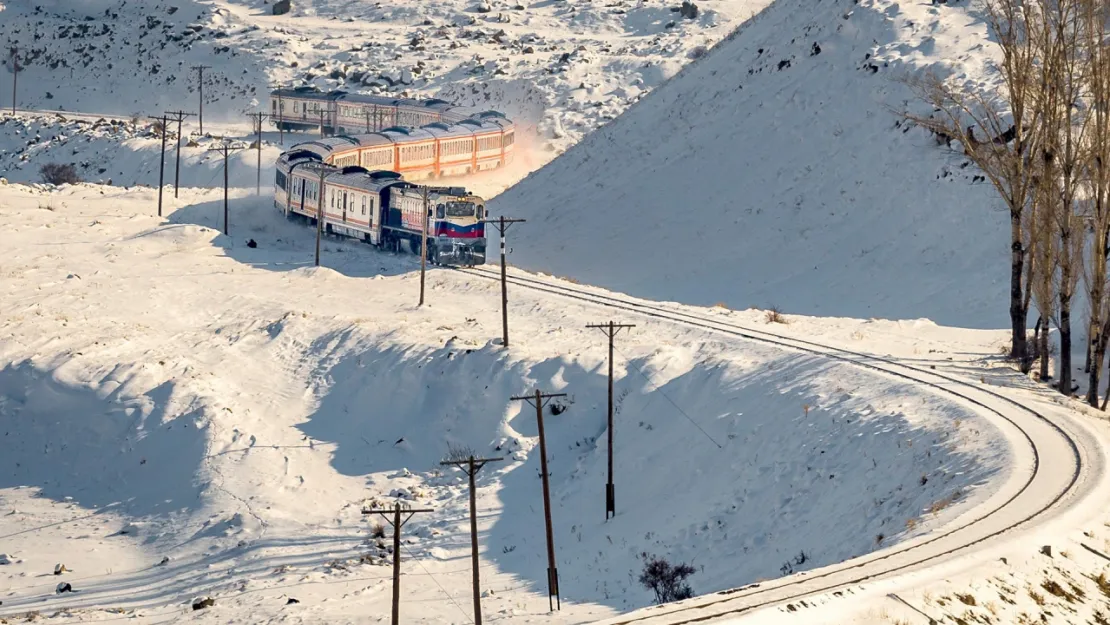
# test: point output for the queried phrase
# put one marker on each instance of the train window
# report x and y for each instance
(440, 211)
(481, 211)
(296, 107)
(364, 205)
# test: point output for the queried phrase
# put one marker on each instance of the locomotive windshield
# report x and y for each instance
(460, 209)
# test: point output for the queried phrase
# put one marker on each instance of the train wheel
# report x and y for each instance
(433, 255)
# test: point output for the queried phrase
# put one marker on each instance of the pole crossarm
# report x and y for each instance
(397, 524)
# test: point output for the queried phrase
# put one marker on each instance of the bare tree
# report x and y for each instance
(1063, 72)
(1096, 179)
(1009, 125)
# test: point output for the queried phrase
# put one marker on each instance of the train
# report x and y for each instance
(420, 139)
(383, 209)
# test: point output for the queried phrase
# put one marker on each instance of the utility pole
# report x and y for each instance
(200, 84)
(225, 150)
(539, 400)
(471, 466)
(611, 329)
(397, 524)
(15, 74)
(162, 168)
(323, 113)
(502, 226)
(322, 170)
(424, 244)
(178, 117)
(257, 118)
(367, 113)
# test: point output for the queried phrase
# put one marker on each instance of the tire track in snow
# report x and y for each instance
(730, 602)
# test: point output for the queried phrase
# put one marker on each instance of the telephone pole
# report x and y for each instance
(322, 113)
(321, 170)
(471, 466)
(15, 74)
(502, 226)
(257, 118)
(162, 168)
(225, 150)
(539, 400)
(178, 116)
(200, 84)
(611, 329)
(397, 524)
(424, 244)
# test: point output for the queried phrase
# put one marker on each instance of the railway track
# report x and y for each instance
(1027, 497)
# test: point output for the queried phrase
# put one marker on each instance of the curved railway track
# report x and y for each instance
(1035, 495)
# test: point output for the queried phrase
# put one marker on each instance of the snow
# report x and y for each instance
(235, 409)
(188, 417)
(770, 174)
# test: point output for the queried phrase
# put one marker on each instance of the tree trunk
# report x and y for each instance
(1017, 307)
(1065, 343)
(1098, 350)
(1042, 324)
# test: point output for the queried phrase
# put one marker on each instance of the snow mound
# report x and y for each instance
(774, 172)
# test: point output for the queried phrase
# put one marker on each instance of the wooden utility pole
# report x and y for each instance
(539, 400)
(611, 329)
(471, 466)
(397, 524)
(321, 170)
(162, 169)
(178, 116)
(424, 244)
(502, 226)
(200, 85)
(323, 113)
(225, 150)
(15, 74)
(256, 119)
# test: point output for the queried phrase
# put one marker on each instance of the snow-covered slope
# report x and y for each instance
(775, 171)
(232, 409)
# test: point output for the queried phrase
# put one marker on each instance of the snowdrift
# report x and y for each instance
(776, 172)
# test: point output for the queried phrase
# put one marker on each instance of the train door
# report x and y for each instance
(344, 206)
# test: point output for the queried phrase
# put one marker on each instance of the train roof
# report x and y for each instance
(443, 131)
(372, 181)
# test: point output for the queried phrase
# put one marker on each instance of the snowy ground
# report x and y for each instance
(234, 408)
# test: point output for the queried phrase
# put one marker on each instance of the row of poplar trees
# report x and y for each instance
(1042, 139)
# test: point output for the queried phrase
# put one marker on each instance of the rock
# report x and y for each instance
(5, 559)
(281, 7)
(1047, 550)
(200, 604)
(689, 10)
(406, 77)
(63, 587)
(291, 601)
(130, 529)
(529, 50)
(483, 7)
(253, 244)
(165, 561)
(60, 568)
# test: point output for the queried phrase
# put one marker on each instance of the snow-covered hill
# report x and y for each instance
(776, 171)
(232, 409)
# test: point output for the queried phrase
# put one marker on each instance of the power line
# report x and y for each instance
(629, 362)
(429, 573)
